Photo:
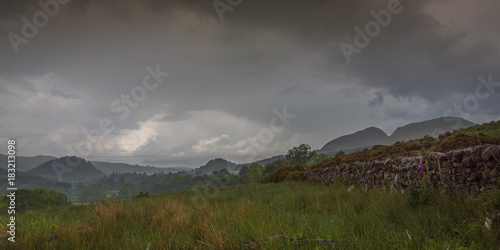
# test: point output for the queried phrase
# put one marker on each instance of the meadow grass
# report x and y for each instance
(250, 216)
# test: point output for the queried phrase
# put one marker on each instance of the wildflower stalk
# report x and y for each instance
(439, 168)
(421, 166)
(428, 176)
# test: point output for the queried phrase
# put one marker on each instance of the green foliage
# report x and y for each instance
(317, 158)
(491, 201)
(491, 128)
(273, 166)
(300, 155)
(243, 171)
(36, 199)
(88, 193)
(127, 190)
(422, 196)
(340, 153)
(255, 172)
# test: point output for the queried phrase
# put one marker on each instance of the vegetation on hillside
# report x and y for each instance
(491, 128)
(460, 139)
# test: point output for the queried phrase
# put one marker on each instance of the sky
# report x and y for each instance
(177, 83)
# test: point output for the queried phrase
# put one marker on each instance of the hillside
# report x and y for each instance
(109, 168)
(31, 181)
(374, 136)
(367, 137)
(421, 129)
(483, 134)
(26, 163)
(264, 161)
(216, 165)
(490, 128)
(62, 170)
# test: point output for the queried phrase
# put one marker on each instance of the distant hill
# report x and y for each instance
(63, 169)
(374, 136)
(25, 163)
(108, 168)
(31, 181)
(420, 129)
(216, 165)
(367, 137)
(264, 161)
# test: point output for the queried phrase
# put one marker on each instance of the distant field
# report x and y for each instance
(266, 216)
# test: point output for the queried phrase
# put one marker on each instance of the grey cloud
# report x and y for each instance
(265, 55)
(377, 101)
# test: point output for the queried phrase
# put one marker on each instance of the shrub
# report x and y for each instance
(283, 173)
(422, 196)
(37, 199)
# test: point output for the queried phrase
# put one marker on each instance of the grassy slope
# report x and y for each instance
(235, 216)
(491, 128)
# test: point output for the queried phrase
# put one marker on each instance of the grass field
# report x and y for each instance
(251, 216)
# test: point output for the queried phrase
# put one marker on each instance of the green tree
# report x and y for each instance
(255, 172)
(37, 199)
(199, 186)
(273, 166)
(127, 190)
(317, 158)
(301, 154)
(340, 153)
(89, 193)
(243, 171)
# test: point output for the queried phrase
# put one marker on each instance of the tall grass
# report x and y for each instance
(250, 216)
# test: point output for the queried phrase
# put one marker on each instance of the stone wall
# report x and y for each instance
(474, 169)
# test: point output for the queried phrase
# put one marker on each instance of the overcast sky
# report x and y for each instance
(232, 70)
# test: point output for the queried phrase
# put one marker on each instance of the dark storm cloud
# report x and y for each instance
(377, 101)
(264, 55)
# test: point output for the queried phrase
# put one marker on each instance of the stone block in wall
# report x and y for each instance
(467, 161)
(458, 156)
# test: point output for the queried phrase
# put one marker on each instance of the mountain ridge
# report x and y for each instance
(70, 169)
(371, 136)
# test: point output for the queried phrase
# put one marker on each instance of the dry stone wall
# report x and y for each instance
(474, 169)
